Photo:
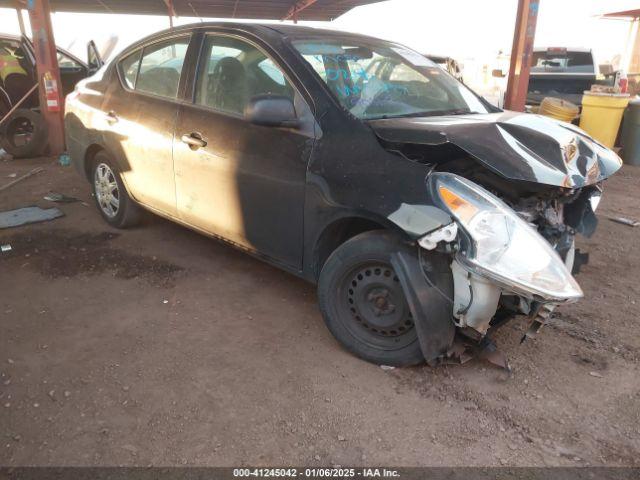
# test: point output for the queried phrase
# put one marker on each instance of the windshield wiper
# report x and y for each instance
(430, 113)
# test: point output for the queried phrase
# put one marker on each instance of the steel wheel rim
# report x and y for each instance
(20, 131)
(374, 308)
(107, 191)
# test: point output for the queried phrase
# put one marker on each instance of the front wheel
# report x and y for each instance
(363, 303)
(114, 203)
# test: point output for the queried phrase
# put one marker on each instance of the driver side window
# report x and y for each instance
(233, 71)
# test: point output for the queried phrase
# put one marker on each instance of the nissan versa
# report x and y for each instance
(426, 216)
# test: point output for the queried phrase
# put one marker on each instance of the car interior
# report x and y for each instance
(13, 86)
(237, 72)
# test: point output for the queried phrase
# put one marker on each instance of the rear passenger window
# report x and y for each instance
(161, 67)
(129, 68)
(158, 72)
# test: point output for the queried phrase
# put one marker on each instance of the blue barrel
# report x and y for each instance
(630, 137)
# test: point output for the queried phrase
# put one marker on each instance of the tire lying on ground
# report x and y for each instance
(23, 134)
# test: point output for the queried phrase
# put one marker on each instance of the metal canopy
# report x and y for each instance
(321, 10)
(626, 14)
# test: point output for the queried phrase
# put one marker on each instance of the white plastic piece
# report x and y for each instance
(475, 299)
(447, 234)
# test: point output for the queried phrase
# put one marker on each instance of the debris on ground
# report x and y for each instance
(387, 367)
(596, 374)
(23, 177)
(64, 160)
(5, 248)
(59, 198)
(12, 175)
(625, 221)
(23, 216)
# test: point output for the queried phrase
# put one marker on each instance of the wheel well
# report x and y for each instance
(88, 158)
(339, 232)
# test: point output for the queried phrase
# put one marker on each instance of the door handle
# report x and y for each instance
(112, 117)
(194, 140)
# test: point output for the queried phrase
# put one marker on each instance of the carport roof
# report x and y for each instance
(626, 14)
(322, 10)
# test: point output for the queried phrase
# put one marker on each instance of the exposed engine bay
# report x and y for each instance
(558, 214)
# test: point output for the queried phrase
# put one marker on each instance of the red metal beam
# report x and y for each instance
(297, 8)
(51, 101)
(521, 53)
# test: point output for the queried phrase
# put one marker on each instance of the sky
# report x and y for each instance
(464, 29)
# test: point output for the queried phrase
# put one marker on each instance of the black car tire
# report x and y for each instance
(14, 124)
(363, 303)
(127, 213)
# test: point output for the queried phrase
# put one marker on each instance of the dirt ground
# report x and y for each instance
(158, 346)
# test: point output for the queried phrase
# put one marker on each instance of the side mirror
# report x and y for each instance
(271, 111)
(497, 73)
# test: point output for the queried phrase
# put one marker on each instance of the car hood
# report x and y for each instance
(518, 146)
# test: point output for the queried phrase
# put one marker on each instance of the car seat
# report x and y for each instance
(160, 81)
(227, 86)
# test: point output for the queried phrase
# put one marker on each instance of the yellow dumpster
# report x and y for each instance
(602, 114)
(559, 109)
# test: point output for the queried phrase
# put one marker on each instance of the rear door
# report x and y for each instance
(139, 119)
(247, 182)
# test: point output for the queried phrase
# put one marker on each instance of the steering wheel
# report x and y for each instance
(385, 101)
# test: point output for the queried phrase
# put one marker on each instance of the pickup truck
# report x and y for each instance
(562, 73)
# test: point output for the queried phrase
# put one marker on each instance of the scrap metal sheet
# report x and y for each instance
(23, 216)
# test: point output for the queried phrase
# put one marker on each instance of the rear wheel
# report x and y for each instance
(363, 303)
(111, 197)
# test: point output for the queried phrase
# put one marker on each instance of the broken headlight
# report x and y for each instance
(498, 244)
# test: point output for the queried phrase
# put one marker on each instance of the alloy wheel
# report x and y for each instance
(106, 189)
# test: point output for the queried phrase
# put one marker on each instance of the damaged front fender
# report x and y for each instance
(428, 287)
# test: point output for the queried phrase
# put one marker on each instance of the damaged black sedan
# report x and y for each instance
(426, 216)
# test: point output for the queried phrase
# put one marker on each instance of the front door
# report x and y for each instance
(140, 114)
(71, 72)
(245, 182)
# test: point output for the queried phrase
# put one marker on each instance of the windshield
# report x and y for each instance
(383, 80)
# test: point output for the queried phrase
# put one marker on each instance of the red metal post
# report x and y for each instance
(521, 53)
(50, 87)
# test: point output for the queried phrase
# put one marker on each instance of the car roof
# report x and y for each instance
(17, 38)
(9, 36)
(286, 30)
